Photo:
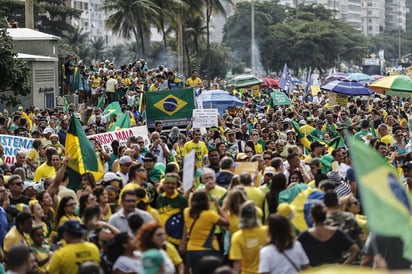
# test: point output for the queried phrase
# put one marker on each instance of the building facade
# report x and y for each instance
(371, 17)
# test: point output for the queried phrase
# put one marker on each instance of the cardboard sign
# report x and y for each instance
(188, 167)
(249, 167)
(12, 145)
(342, 100)
(205, 117)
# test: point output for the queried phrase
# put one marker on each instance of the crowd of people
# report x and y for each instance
(138, 219)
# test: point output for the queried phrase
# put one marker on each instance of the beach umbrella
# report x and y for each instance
(335, 76)
(269, 82)
(348, 88)
(219, 99)
(397, 84)
(360, 77)
(244, 81)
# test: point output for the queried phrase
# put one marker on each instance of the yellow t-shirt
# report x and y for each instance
(200, 151)
(245, 246)
(234, 220)
(173, 254)
(44, 171)
(388, 140)
(256, 195)
(258, 148)
(201, 236)
(34, 156)
(67, 218)
(217, 192)
(96, 82)
(14, 237)
(197, 82)
(68, 258)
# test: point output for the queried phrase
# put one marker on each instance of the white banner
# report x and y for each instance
(12, 145)
(188, 167)
(105, 139)
(205, 117)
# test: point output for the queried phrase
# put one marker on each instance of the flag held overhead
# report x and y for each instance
(386, 201)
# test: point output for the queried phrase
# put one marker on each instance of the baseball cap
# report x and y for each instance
(27, 184)
(269, 170)
(48, 130)
(286, 120)
(152, 261)
(125, 160)
(110, 176)
(73, 227)
(241, 156)
(320, 121)
(149, 157)
(285, 209)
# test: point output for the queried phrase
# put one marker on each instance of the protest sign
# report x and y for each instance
(105, 139)
(14, 144)
(188, 167)
(205, 117)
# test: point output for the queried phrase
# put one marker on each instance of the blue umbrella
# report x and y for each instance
(345, 87)
(360, 77)
(219, 99)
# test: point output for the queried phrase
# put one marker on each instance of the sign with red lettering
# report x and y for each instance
(105, 139)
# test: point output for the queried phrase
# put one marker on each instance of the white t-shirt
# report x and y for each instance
(273, 262)
(128, 265)
(158, 152)
(169, 267)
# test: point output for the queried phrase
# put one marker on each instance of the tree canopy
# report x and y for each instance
(13, 72)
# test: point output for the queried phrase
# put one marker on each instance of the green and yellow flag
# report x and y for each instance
(172, 107)
(113, 108)
(82, 156)
(102, 101)
(122, 122)
(77, 79)
(386, 201)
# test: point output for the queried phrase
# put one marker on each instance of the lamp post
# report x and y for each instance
(252, 36)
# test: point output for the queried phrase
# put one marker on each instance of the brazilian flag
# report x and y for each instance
(122, 122)
(77, 80)
(102, 101)
(386, 201)
(172, 107)
(113, 108)
(82, 156)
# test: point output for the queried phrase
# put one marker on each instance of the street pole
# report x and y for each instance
(252, 38)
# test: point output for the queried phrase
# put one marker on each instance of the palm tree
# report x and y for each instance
(116, 53)
(77, 39)
(98, 46)
(131, 17)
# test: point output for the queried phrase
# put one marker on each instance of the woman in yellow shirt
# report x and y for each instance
(199, 229)
(66, 211)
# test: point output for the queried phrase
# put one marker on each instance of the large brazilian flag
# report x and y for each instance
(386, 201)
(171, 107)
(77, 82)
(82, 156)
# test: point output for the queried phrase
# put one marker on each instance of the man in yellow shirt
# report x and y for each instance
(194, 81)
(16, 234)
(68, 258)
(253, 193)
(48, 168)
(198, 146)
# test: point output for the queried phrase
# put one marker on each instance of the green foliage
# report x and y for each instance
(50, 16)
(13, 72)
(302, 37)
(222, 59)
